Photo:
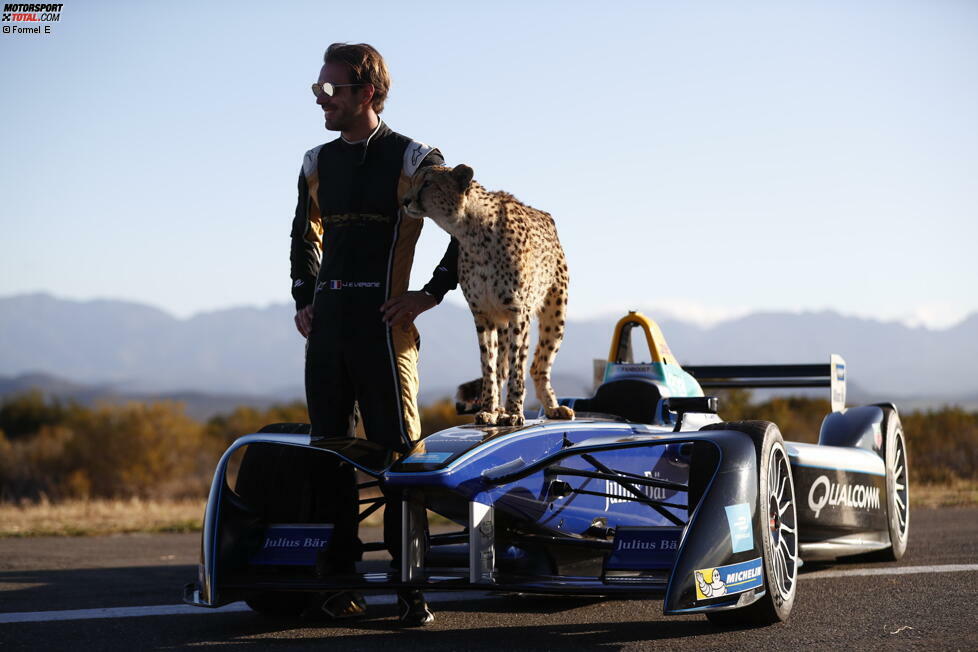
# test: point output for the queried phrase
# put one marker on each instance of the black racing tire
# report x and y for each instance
(288, 484)
(266, 468)
(897, 484)
(279, 604)
(778, 525)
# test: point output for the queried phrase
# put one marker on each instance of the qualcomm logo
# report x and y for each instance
(823, 492)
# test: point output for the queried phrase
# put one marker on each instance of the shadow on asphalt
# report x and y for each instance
(516, 619)
(525, 604)
(55, 590)
(549, 636)
(379, 632)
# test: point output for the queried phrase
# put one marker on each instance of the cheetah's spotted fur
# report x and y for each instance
(511, 267)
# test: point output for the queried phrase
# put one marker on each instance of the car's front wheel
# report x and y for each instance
(778, 527)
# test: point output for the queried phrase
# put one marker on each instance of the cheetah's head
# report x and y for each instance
(440, 193)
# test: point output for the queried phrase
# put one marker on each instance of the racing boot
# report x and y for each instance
(412, 609)
(335, 605)
(345, 605)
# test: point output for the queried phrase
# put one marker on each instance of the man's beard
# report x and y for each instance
(336, 124)
(341, 121)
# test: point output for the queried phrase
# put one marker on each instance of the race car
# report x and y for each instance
(647, 493)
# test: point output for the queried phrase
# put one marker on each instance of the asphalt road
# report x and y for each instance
(44, 580)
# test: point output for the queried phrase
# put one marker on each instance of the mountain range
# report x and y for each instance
(131, 349)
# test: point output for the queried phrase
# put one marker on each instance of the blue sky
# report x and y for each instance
(701, 158)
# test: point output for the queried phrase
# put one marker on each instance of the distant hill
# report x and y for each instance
(198, 405)
(131, 349)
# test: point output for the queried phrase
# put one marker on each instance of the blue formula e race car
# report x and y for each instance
(647, 493)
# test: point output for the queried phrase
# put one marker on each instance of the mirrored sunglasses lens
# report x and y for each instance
(322, 89)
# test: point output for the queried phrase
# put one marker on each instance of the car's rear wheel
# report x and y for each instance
(897, 484)
(778, 527)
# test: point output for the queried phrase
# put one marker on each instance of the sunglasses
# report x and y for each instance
(328, 89)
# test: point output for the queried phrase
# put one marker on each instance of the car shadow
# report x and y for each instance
(88, 588)
(507, 621)
(379, 632)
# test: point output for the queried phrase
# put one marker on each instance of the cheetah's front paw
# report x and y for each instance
(486, 418)
(559, 412)
(510, 420)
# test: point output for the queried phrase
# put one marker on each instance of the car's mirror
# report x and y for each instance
(683, 405)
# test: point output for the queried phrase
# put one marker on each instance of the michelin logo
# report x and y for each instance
(728, 580)
(709, 588)
(823, 492)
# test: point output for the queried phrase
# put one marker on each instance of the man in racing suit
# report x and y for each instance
(351, 261)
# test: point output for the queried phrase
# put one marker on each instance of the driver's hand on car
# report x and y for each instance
(402, 310)
(303, 320)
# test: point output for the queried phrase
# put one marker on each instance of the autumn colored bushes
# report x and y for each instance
(59, 451)
(145, 450)
(942, 444)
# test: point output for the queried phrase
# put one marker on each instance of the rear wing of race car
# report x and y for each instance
(832, 375)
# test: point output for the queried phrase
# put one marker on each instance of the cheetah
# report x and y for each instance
(511, 268)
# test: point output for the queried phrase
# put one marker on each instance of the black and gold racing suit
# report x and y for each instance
(351, 251)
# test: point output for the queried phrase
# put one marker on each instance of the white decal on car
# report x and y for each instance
(823, 492)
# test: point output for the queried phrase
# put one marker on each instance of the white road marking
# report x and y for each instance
(186, 609)
(446, 596)
(115, 612)
(896, 570)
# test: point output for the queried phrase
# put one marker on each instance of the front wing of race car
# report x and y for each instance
(552, 507)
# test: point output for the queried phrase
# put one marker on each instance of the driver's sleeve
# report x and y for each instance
(306, 246)
(445, 276)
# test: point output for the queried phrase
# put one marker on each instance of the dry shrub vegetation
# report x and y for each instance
(942, 445)
(104, 516)
(68, 469)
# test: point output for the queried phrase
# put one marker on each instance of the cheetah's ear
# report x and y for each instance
(463, 176)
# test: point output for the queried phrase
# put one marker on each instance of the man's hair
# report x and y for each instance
(366, 67)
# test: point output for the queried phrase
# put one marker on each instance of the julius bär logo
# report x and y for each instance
(26, 14)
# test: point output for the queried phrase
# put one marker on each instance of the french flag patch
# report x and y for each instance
(336, 285)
